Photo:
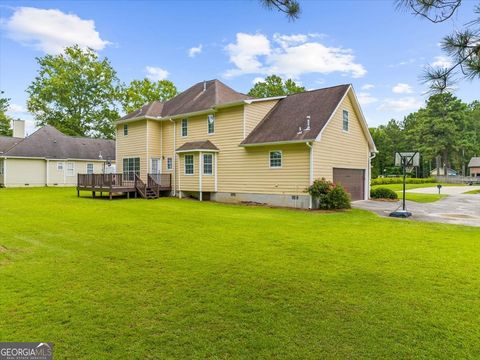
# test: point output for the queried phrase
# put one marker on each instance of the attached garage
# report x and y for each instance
(353, 180)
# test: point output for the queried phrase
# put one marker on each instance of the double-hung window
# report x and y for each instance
(189, 167)
(276, 159)
(207, 164)
(345, 120)
(131, 166)
(211, 124)
(169, 163)
(89, 168)
(70, 168)
(184, 127)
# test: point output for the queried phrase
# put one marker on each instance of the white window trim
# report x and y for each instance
(169, 168)
(73, 169)
(181, 128)
(214, 125)
(203, 167)
(185, 165)
(86, 168)
(348, 121)
(133, 157)
(60, 164)
(125, 127)
(281, 159)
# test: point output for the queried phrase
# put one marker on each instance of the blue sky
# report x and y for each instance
(367, 43)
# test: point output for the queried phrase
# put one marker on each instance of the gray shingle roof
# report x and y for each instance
(201, 96)
(6, 142)
(474, 162)
(282, 123)
(197, 145)
(48, 142)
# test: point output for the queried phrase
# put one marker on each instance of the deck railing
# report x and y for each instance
(105, 181)
(159, 182)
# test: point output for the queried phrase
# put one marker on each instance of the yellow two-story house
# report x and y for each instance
(218, 144)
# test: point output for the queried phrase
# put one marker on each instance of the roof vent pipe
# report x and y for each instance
(299, 130)
(308, 123)
(204, 85)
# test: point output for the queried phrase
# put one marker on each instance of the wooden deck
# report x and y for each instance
(124, 184)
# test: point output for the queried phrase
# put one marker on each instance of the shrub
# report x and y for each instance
(399, 180)
(383, 193)
(329, 195)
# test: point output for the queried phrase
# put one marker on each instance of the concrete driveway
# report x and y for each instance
(446, 190)
(454, 209)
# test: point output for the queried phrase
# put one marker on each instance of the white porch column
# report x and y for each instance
(200, 165)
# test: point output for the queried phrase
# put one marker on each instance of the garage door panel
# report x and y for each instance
(353, 180)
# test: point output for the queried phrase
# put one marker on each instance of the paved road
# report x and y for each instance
(447, 190)
(454, 209)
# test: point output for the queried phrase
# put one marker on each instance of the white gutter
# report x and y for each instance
(278, 143)
(310, 145)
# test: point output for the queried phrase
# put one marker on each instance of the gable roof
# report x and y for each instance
(201, 96)
(47, 142)
(6, 142)
(197, 146)
(474, 162)
(282, 123)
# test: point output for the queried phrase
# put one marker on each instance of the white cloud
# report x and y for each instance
(367, 87)
(156, 73)
(257, 80)
(400, 105)
(194, 51)
(403, 63)
(51, 30)
(442, 62)
(402, 88)
(17, 109)
(289, 56)
(366, 98)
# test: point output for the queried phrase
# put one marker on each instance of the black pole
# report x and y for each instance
(404, 159)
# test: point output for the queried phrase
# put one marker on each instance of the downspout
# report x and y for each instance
(369, 179)
(46, 171)
(146, 150)
(5, 172)
(200, 165)
(174, 157)
(310, 145)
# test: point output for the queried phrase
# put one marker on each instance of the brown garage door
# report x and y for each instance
(353, 180)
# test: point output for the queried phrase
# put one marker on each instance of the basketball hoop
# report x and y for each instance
(405, 160)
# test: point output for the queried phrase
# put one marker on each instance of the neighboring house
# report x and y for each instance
(441, 172)
(474, 166)
(49, 158)
(222, 145)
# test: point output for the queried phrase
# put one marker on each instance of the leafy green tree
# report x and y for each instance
(273, 85)
(462, 46)
(140, 92)
(76, 92)
(5, 120)
(289, 7)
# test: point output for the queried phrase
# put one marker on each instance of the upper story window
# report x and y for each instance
(189, 169)
(207, 164)
(345, 120)
(125, 129)
(276, 159)
(89, 168)
(211, 123)
(184, 127)
(169, 163)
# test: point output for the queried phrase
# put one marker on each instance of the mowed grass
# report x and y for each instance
(399, 187)
(421, 198)
(169, 278)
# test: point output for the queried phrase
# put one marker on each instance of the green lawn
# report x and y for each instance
(473, 192)
(421, 198)
(398, 187)
(169, 278)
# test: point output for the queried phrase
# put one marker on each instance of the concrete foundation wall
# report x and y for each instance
(294, 201)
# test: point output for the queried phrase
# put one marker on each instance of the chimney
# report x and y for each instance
(19, 128)
(308, 123)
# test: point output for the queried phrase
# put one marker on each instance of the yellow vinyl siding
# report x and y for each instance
(255, 112)
(189, 182)
(340, 149)
(154, 141)
(132, 145)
